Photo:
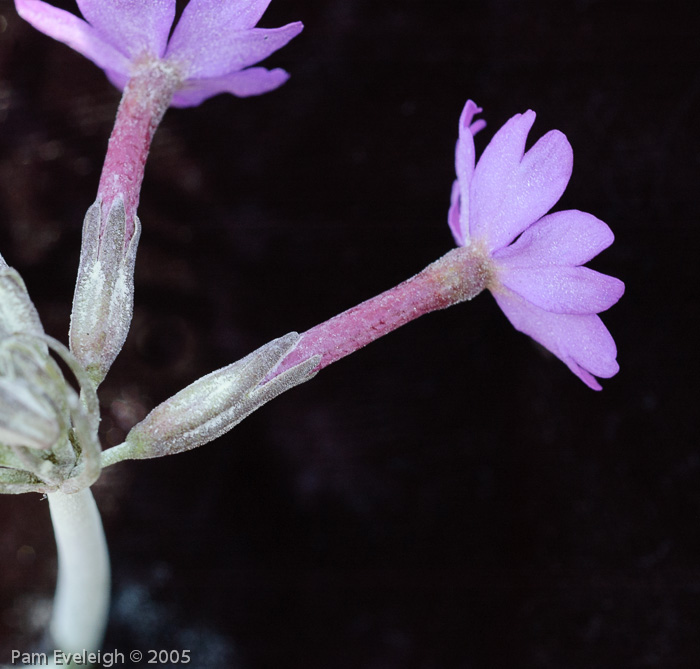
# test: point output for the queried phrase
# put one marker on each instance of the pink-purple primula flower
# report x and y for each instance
(534, 259)
(210, 49)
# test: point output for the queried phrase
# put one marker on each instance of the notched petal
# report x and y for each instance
(253, 81)
(569, 237)
(132, 26)
(564, 290)
(512, 189)
(217, 51)
(74, 32)
(582, 342)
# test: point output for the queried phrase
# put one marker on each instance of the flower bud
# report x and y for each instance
(212, 405)
(48, 436)
(104, 291)
(27, 416)
(17, 312)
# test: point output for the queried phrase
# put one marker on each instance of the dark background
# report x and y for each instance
(451, 496)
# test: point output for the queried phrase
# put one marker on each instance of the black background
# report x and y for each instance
(451, 496)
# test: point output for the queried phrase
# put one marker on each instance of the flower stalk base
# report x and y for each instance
(81, 604)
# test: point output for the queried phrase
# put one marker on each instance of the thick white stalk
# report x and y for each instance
(81, 603)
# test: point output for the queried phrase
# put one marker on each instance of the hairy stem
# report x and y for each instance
(459, 275)
(144, 102)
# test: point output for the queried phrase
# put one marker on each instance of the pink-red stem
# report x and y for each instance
(459, 275)
(144, 102)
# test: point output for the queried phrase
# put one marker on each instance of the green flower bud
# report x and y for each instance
(48, 435)
(104, 291)
(214, 404)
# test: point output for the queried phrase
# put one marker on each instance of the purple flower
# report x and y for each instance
(209, 50)
(534, 259)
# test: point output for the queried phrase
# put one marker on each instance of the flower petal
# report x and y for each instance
(453, 217)
(132, 26)
(207, 46)
(464, 163)
(563, 290)
(583, 343)
(253, 81)
(118, 79)
(564, 238)
(512, 189)
(237, 15)
(73, 31)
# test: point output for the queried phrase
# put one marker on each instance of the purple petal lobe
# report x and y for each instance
(132, 26)
(563, 290)
(511, 189)
(583, 343)
(466, 119)
(204, 48)
(118, 79)
(464, 163)
(564, 238)
(236, 15)
(453, 216)
(253, 81)
(73, 31)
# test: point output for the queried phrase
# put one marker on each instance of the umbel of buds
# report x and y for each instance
(48, 433)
